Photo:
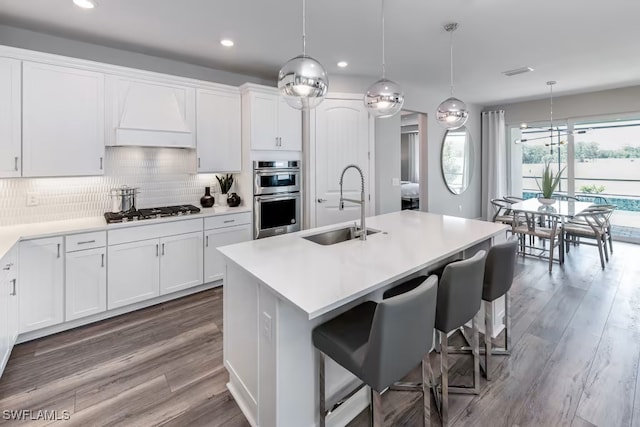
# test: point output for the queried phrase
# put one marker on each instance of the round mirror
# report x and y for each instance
(457, 159)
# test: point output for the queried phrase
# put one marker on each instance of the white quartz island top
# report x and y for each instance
(318, 279)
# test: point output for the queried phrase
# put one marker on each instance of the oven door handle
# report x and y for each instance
(277, 198)
(276, 171)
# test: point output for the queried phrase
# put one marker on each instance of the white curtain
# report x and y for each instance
(494, 159)
(413, 163)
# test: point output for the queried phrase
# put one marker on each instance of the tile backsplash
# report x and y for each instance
(165, 176)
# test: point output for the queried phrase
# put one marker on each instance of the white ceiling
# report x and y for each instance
(585, 45)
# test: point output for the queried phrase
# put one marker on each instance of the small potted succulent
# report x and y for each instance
(226, 183)
(548, 184)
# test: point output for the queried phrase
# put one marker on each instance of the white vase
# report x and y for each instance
(546, 201)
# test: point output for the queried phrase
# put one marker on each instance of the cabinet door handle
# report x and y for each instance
(157, 250)
(163, 249)
(102, 263)
(16, 163)
(58, 250)
(206, 241)
(198, 161)
(100, 163)
(229, 220)
(14, 287)
(86, 242)
(279, 141)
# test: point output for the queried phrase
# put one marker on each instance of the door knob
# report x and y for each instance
(321, 200)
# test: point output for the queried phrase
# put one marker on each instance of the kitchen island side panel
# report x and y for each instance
(240, 331)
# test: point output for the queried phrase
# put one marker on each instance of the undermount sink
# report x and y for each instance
(336, 236)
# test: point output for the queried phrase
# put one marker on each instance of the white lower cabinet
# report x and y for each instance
(41, 282)
(214, 264)
(86, 283)
(134, 273)
(180, 262)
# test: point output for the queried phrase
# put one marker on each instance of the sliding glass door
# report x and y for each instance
(601, 161)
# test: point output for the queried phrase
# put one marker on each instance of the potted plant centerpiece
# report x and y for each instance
(548, 184)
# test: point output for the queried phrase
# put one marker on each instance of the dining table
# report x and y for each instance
(563, 210)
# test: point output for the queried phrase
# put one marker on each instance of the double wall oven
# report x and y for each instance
(276, 197)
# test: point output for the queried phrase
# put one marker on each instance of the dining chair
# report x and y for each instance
(503, 213)
(550, 231)
(590, 224)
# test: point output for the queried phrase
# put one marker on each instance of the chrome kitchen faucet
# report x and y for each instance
(362, 233)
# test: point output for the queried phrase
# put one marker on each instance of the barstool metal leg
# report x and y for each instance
(476, 356)
(444, 379)
(377, 418)
(488, 334)
(321, 390)
(507, 321)
(426, 388)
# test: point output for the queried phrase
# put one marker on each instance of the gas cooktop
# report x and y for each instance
(149, 213)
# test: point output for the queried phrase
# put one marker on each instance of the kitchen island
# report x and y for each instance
(277, 290)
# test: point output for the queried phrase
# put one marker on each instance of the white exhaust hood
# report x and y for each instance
(148, 113)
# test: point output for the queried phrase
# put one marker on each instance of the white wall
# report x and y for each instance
(387, 157)
(425, 99)
(621, 101)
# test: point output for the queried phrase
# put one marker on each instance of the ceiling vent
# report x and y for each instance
(517, 71)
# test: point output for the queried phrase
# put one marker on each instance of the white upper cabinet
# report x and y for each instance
(219, 142)
(62, 121)
(271, 124)
(10, 104)
(289, 127)
(150, 113)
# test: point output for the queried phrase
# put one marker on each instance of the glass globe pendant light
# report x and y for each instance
(452, 113)
(302, 80)
(384, 98)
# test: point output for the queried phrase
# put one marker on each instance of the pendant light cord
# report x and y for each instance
(451, 59)
(551, 117)
(383, 63)
(304, 28)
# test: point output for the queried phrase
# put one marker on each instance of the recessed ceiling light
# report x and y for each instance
(85, 4)
(342, 64)
(226, 42)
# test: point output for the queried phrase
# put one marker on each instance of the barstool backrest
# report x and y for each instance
(460, 292)
(401, 334)
(499, 269)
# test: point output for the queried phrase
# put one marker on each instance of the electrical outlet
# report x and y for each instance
(33, 199)
(395, 182)
(460, 208)
(266, 326)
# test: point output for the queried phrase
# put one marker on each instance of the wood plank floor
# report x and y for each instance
(576, 360)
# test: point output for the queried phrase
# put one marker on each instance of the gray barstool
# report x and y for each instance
(498, 278)
(380, 343)
(459, 299)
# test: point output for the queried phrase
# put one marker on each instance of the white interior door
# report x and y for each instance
(342, 137)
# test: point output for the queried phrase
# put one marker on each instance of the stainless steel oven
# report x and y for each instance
(276, 200)
(271, 177)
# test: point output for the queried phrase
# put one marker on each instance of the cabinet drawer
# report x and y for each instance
(227, 220)
(78, 242)
(154, 231)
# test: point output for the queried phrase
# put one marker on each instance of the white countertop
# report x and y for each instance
(318, 278)
(10, 235)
